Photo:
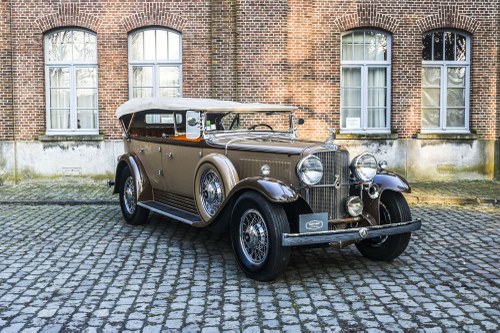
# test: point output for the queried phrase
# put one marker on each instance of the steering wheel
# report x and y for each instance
(257, 125)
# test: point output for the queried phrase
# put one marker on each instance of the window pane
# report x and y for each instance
(427, 47)
(161, 44)
(174, 44)
(351, 118)
(137, 44)
(449, 46)
(431, 76)
(59, 77)
(87, 119)
(86, 78)
(456, 97)
(381, 47)
(149, 45)
(142, 76)
(142, 92)
(377, 77)
(170, 92)
(59, 119)
(90, 52)
(346, 51)
(438, 46)
(430, 118)
(461, 48)
(377, 97)
(59, 98)
(351, 97)
(78, 45)
(169, 76)
(351, 77)
(86, 98)
(370, 46)
(431, 97)
(455, 117)
(456, 76)
(376, 118)
(358, 45)
(347, 38)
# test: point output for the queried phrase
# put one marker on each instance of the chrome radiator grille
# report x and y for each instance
(330, 193)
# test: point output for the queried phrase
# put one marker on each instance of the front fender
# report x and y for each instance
(274, 190)
(386, 181)
(142, 184)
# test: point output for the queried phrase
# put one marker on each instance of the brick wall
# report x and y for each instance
(6, 115)
(270, 51)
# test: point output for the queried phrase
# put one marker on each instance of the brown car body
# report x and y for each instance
(167, 167)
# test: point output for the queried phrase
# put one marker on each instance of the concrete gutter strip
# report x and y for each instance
(59, 202)
(452, 200)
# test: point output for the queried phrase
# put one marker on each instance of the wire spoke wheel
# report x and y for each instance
(211, 191)
(254, 237)
(129, 195)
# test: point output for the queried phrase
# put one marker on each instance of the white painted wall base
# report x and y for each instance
(413, 158)
(42, 159)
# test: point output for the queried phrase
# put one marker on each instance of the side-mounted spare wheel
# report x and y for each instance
(214, 179)
(132, 213)
(393, 209)
(256, 232)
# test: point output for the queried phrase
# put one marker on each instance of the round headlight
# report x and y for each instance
(364, 167)
(310, 170)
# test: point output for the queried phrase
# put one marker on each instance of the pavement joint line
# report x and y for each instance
(59, 202)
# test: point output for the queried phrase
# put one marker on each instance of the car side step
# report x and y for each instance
(172, 212)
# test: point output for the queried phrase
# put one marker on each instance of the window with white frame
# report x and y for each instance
(155, 63)
(365, 81)
(71, 82)
(445, 81)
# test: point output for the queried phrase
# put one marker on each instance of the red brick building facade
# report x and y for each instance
(267, 51)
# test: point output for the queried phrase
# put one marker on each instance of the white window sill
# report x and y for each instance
(71, 137)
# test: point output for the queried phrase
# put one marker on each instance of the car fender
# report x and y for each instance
(386, 181)
(142, 184)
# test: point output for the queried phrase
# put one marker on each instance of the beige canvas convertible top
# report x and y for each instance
(195, 104)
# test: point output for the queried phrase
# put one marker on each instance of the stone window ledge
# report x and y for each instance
(367, 136)
(58, 138)
(447, 136)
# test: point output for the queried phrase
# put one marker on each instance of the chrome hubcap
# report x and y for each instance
(211, 191)
(129, 195)
(254, 237)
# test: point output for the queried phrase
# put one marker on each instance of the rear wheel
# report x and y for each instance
(132, 213)
(393, 209)
(256, 231)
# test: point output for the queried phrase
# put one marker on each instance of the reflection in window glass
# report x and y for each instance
(155, 63)
(71, 69)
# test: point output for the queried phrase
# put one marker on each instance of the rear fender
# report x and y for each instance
(142, 184)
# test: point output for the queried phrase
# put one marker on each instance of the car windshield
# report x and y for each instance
(252, 121)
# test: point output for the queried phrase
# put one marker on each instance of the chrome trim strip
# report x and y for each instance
(353, 234)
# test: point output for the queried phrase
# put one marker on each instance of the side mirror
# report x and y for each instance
(193, 130)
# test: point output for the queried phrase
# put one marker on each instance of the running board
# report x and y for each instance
(172, 212)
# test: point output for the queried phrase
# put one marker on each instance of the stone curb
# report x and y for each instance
(452, 200)
(59, 202)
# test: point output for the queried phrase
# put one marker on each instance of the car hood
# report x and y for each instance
(269, 143)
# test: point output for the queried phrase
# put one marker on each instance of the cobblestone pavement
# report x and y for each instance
(70, 268)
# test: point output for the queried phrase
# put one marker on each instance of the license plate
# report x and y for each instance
(313, 222)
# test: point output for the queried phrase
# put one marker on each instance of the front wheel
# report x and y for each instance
(132, 213)
(393, 209)
(257, 226)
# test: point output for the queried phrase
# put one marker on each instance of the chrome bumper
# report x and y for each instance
(354, 234)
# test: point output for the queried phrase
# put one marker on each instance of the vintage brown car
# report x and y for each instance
(241, 168)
